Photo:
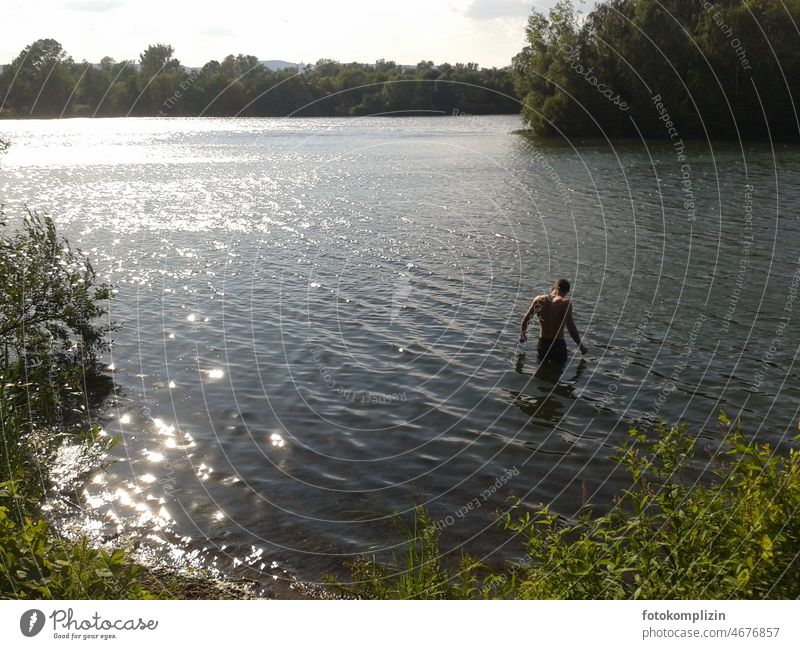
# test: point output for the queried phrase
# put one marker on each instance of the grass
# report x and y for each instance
(735, 536)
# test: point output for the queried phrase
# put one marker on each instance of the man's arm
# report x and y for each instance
(573, 330)
(535, 308)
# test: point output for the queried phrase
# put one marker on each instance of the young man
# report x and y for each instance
(555, 312)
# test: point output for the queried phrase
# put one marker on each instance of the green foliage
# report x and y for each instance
(35, 564)
(541, 71)
(49, 297)
(158, 58)
(713, 64)
(667, 536)
(18, 452)
(43, 80)
(50, 330)
(240, 85)
(49, 337)
(40, 372)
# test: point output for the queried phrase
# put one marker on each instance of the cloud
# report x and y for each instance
(95, 6)
(491, 9)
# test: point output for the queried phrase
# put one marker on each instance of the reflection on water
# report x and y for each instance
(320, 321)
(548, 389)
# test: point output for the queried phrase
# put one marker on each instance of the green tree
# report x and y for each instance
(713, 65)
(124, 90)
(550, 93)
(40, 80)
(160, 79)
(240, 85)
(158, 58)
(93, 82)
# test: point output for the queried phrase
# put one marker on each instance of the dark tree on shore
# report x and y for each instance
(730, 68)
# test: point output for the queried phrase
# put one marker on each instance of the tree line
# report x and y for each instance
(43, 81)
(667, 69)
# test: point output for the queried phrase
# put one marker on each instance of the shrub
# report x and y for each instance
(50, 304)
(418, 574)
(667, 536)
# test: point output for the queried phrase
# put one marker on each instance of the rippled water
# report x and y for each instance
(320, 319)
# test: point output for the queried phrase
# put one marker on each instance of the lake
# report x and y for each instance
(319, 321)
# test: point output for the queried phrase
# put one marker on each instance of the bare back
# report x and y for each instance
(555, 312)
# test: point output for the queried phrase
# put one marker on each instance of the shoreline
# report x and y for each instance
(391, 115)
(587, 140)
(68, 518)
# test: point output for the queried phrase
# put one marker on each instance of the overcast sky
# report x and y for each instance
(488, 32)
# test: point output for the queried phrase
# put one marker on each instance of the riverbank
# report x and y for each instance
(38, 564)
(735, 535)
(50, 384)
(45, 557)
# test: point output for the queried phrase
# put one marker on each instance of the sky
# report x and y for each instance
(488, 32)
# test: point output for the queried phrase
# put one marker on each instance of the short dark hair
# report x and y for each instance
(562, 286)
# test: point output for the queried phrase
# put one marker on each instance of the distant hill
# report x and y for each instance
(278, 65)
(274, 65)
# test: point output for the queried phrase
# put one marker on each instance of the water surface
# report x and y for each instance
(319, 320)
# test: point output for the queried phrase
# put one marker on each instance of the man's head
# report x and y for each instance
(561, 286)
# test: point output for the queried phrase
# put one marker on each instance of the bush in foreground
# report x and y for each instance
(668, 537)
(50, 306)
(49, 335)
